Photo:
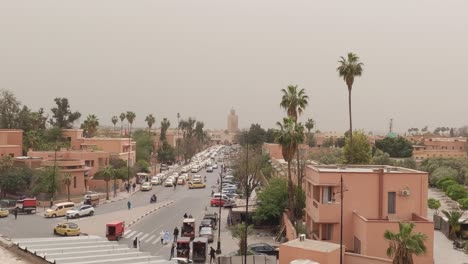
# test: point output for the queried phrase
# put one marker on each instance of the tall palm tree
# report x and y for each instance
(177, 140)
(404, 244)
(453, 218)
(289, 136)
(295, 101)
(90, 125)
(67, 181)
(150, 120)
(108, 173)
(348, 69)
(309, 125)
(199, 133)
(114, 120)
(122, 118)
(165, 124)
(130, 118)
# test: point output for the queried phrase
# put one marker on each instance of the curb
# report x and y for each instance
(148, 213)
(119, 199)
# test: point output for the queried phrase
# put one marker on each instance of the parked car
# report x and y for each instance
(206, 222)
(229, 204)
(164, 167)
(263, 248)
(209, 169)
(4, 212)
(217, 202)
(215, 166)
(67, 229)
(146, 186)
(155, 180)
(79, 211)
(196, 185)
(207, 232)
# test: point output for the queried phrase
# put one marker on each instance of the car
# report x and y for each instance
(207, 232)
(146, 186)
(67, 229)
(206, 222)
(164, 167)
(229, 204)
(215, 166)
(4, 212)
(155, 180)
(196, 185)
(217, 202)
(79, 211)
(228, 177)
(209, 169)
(169, 183)
(263, 248)
(180, 260)
(181, 180)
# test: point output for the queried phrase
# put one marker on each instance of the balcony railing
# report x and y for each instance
(325, 213)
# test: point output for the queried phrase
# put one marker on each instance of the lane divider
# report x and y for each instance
(148, 213)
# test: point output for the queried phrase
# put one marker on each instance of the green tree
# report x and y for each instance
(270, 135)
(48, 182)
(329, 156)
(357, 151)
(130, 118)
(15, 180)
(456, 192)
(434, 204)
(238, 232)
(141, 166)
(453, 219)
(442, 172)
(348, 69)
(398, 147)
(108, 173)
(166, 153)
(309, 125)
(150, 120)
(62, 116)
(90, 125)
(255, 136)
(463, 203)
(67, 179)
(114, 120)
(9, 109)
(405, 244)
(165, 124)
(381, 158)
(329, 142)
(122, 117)
(144, 144)
(290, 135)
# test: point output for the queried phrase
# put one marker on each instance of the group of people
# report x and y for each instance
(187, 216)
(128, 185)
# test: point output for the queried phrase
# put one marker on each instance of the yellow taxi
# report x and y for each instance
(196, 185)
(4, 212)
(67, 229)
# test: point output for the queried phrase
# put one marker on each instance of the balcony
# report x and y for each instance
(324, 213)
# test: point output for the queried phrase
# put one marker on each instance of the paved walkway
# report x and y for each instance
(6, 257)
(443, 249)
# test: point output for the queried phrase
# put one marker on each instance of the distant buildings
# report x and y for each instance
(431, 147)
(11, 142)
(232, 122)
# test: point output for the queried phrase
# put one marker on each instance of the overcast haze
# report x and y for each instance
(201, 58)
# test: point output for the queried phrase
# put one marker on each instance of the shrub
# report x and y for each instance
(444, 185)
(444, 179)
(442, 172)
(456, 192)
(463, 203)
(433, 204)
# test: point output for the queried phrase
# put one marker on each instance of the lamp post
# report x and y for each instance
(54, 176)
(341, 220)
(246, 198)
(218, 249)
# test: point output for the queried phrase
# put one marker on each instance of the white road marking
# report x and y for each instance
(150, 239)
(129, 233)
(143, 237)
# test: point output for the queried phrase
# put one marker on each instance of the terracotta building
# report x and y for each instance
(11, 142)
(232, 122)
(429, 147)
(376, 198)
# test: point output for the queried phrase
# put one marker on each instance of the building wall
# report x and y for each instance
(232, 122)
(11, 142)
(288, 254)
(274, 150)
(350, 258)
(75, 189)
(11, 150)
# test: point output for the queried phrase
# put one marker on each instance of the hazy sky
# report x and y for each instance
(202, 57)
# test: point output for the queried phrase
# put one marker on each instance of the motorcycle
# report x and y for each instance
(153, 199)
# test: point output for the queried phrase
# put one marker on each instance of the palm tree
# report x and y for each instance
(90, 125)
(114, 120)
(122, 118)
(67, 181)
(453, 218)
(404, 244)
(165, 124)
(294, 102)
(289, 136)
(130, 118)
(348, 69)
(108, 173)
(150, 120)
(309, 125)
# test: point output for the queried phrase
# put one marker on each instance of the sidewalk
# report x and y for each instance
(9, 258)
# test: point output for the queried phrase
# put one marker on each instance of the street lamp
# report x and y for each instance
(218, 249)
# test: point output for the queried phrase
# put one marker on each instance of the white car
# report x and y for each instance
(169, 183)
(146, 186)
(79, 211)
(209, 169)
(215, 166)
(155, 180)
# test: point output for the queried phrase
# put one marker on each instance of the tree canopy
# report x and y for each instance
(62, 116)
(360, 150)
(273, 200)
(398, 147)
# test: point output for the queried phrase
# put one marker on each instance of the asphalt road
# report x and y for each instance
(188, 201)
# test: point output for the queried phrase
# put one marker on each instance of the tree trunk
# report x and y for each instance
(68, 191)
(107, 190)
(115, 189)
(350, 127)
(290, 193)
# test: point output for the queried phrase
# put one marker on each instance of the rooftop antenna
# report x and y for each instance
(391, 125)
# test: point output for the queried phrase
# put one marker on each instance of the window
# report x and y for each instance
(327, 194)
(74, 182)
(327, 230)
(391, 202)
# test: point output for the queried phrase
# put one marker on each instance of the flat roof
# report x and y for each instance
(363, 168)
(314, 245)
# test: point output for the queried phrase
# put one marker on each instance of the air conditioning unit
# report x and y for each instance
(405, 192)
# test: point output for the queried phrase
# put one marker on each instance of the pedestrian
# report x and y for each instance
(212, 193)
(172, 251)
(167, 237)
(185, 215)
(212, 254)
(127, 186)
(176, 233)
(134, 187)
(16, 213)
(190, 216)
(129, 205)
(162, 236)
(135, 242)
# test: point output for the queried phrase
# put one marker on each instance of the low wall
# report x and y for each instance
(350, 258)
(251, 259)
(100, 185)
(291, 233)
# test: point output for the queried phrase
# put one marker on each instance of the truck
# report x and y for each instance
(26, 205)
(188, 228)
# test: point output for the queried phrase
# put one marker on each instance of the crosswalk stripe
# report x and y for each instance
(139, 235)
(150, 239)
(129, 233)
(143, 237)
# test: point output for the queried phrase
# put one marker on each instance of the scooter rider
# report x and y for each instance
(153, 198)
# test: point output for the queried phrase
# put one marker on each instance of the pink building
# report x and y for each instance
(11, 142)
(431, 147)
(376, 198)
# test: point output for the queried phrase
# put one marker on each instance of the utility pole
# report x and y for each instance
(129, 151)
(54, 176)
(218, 249)
(341, 220)
(246, 197)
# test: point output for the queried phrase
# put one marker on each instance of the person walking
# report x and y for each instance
(185, 215)
(135, 242)
(16, 213)
(161, 236)
(134, 187)
(176, 233)
(212, 254)
(172, 251)
(190, 216)
(129, 205)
